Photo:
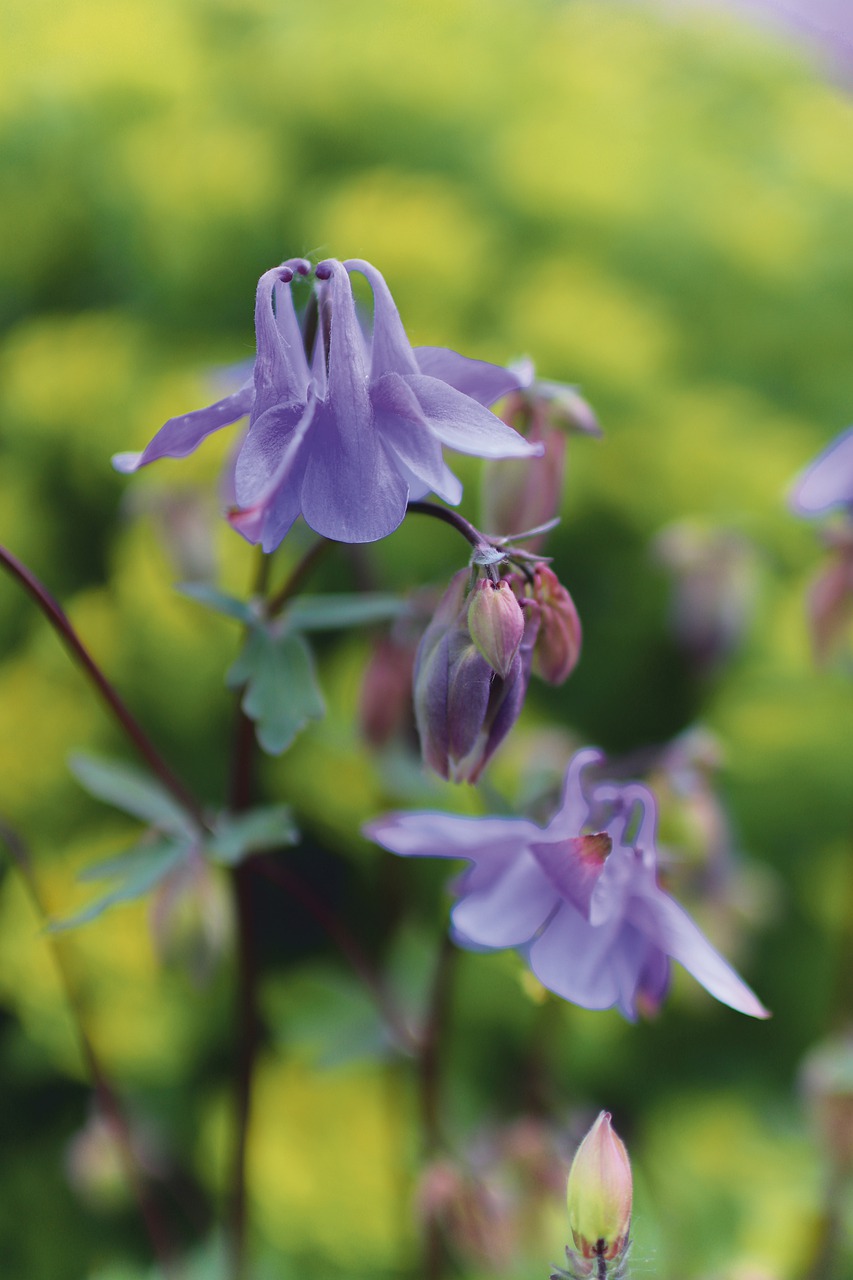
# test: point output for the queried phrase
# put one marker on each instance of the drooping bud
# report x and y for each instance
(558, 645)
(463, 708)
(517, 495)
(599, 1194)
(495, 623)
(386, 691)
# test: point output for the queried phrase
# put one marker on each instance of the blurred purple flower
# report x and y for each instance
(585, 909)
(827, 482)
(348, 437)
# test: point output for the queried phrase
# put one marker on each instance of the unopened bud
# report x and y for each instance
(495, 623)
(558, 644)
(599, 1196)
(463, 708)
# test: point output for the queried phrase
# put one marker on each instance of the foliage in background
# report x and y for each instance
(656, 209)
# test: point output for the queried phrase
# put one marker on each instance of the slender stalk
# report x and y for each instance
(294, 583)
(107, 1099)
(435, 1257)
(60, 622)
(247, 1014)
(453, 518)
(337, 930)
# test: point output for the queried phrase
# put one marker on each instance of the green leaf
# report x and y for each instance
(219, 602)
(332, 612)
(131, 790)
(240, 834)
(325, 1017)
(138, 869)
(281, 693)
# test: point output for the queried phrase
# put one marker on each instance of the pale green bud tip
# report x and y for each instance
(496, 624)
(599, 1193)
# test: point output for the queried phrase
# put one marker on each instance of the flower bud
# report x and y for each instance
(558, 645)
(463, 708)
(495, 623)
(599, 1193)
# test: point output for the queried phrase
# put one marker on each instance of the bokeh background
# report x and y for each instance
(654, 204)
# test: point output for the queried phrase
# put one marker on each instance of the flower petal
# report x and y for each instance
(508, 912)
(572, 959)
(180, 436)
(574, 865)
(263, 451)
(828, 481)
(391, 349)
(669, 927)
(465, 425)
(406, 434)
(281, 369)
(352, 491)
(445, 835)
(478, 379)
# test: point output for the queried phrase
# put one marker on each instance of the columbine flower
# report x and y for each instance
(348, 434)
(580, 898)
(827, 482)
(463, 708)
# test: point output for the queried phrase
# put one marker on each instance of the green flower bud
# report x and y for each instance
(599, 1193)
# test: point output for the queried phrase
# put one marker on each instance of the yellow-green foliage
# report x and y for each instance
(654, 205)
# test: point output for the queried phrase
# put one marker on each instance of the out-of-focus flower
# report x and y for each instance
(600, 1192)
(463, 708)
(713, 574)
(191, 918)
(522, 494)
(826, 483)
(830, 598)
(580, 898)
(472, 1213)
(385, 703)
(827, 1082)
(346, 435)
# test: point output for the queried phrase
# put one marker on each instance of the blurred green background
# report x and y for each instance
(657, 209)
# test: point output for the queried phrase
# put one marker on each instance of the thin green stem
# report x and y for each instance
(60, 622)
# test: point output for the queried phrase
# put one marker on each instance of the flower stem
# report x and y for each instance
(337, 930)
(108, 1103)
(294, 583)
(247, 1016)
(59, 620)
(435, 1257)
(453, 518)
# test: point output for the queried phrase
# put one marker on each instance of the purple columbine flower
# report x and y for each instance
(580, 898)
(827, 482)
(349, 433)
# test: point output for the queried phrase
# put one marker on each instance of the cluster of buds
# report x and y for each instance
(599, 1195)
(475, 659)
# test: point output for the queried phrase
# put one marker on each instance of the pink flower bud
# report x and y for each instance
(386, 691)
(558, 645)
(599, 1193)
(495, 623)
